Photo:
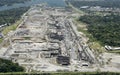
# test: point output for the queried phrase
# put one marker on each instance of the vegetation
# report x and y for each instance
(106, 29)
(8, 66)
(11, 16)
(11, 27)
(102, 3)
(90, 40)
(10, 2)
(12, 19)
(1, 39)
(75, 9)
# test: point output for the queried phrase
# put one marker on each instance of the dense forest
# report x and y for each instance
(8, 66)
(104, 28)
(10, 2)
(10, 16)
(102, 3)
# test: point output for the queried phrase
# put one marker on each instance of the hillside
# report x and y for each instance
(10, 2)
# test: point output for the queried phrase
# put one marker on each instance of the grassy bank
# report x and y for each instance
(7, 29)
(82, 27)
(11, 27)
(12, 19)
(92, 42)
(76, 9)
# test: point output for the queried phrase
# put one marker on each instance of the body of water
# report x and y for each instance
(52, 3)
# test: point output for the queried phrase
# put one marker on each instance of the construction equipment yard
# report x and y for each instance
(48, 40)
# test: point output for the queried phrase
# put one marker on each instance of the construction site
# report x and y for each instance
(48, 40)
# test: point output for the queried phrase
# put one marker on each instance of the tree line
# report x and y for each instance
(9, 66)
(11, 16)
(102, 3)
(10, 2)
(106, 29)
